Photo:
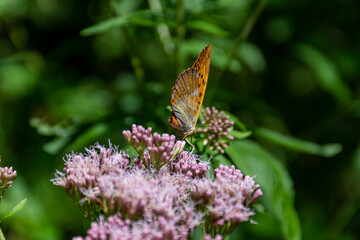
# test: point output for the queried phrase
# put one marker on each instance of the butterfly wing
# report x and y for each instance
(202, 65)
(188, 94)
(183, 102)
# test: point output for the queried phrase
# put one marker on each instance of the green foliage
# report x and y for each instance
(73, 73)
(274, 180)
(327, 150)
(325, 72)
(15, 209)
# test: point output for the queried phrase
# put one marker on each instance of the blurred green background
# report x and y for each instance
(76, 72)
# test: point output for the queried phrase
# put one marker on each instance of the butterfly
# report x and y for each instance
(188, 94)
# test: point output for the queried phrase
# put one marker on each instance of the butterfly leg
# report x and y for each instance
(192, 146)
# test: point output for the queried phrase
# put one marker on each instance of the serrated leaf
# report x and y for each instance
(274, 180)
(326, 150)
(17, 208)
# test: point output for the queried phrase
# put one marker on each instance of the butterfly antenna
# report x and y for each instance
(192, 146)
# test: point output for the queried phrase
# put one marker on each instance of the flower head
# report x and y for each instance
(154, 149)
(164, 217)
(246, 185)
(232, 195)
(112, 228)
(7, 176)
(217, 129)
(190, 165)
(83, 170)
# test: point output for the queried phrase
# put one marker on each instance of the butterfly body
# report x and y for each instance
(188, 94)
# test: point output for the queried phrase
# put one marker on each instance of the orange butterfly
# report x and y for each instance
(188, 94)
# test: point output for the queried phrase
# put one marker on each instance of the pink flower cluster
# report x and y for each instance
(217, 129)
(164, 193)
(189, 165)
(154, 149)
(232, 189)
(82, 171)
(227, 199)
(7, 176)
(115, 228)
(160, 200)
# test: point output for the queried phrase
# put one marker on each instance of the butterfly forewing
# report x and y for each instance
(202, 65)
(188, 94)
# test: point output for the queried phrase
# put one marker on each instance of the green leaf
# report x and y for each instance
(17, 208)
(240, 135)
(104, 26)
(207, 28)
(325, 72)
(326, 150)
(275, 182)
